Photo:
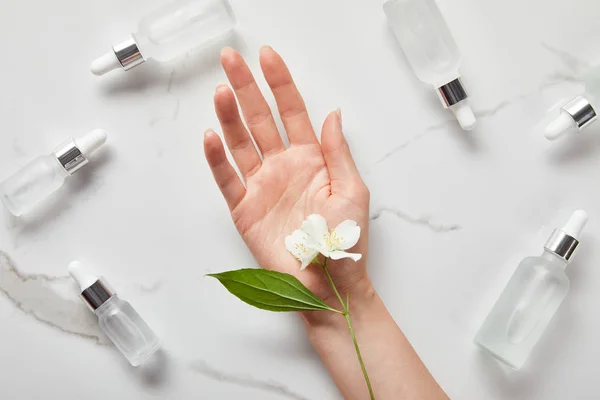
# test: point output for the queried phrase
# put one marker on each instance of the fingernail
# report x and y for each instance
(226, 49)
(339, 113)
(266, 47)
(221, 86)
(208, 132)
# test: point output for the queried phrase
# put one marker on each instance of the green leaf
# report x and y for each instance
(270, 290)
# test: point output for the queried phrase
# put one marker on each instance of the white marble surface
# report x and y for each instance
(451, 210)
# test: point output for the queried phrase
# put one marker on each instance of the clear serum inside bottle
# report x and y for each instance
(431, 51)
(580, 112)
(531, 298)
(21, 192)
(169, 32)
(116, 317)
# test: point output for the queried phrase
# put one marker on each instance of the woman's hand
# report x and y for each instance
(284, 185)
(282, 188)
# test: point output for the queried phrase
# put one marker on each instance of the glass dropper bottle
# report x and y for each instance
(431, 51)
(532, 297)
(44, 175)
(169, 32)
(116, 317)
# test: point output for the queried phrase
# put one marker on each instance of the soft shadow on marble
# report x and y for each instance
(37, 295)
(205, 369)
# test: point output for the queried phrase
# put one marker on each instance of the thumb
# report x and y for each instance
(340, 164)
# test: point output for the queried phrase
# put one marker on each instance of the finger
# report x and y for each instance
(232, 188)
(340, 164)
(237, 137)
(257, 112)
(289, 101)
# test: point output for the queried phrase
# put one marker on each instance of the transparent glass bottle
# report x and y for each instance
(21, 192)
(431, 52)
(116, 317)
(169, 32)
(531, 298)
(580, 112)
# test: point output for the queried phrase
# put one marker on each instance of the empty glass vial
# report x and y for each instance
(43, 176)
(531, 298)
(117, 318)
(431, 51)
(169, 32)
(580, 112)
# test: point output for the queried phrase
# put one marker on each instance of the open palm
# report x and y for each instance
(285, 185)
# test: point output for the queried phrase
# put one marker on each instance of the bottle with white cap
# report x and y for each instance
(44, 175)
(431, 51)
(169, 32)
(116, 317)
(531, 297)
(580, 112)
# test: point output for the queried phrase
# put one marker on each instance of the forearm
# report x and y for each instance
(395, 370)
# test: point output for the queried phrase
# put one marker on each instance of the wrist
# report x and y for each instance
(363, 298)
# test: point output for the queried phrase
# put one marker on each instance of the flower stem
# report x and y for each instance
(333, 286)
(346, 313)
(360, 360)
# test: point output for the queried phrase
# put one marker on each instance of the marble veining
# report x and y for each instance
(424, 220)
(575, 69)
(248, 381)
(33, 295)
(171, 118)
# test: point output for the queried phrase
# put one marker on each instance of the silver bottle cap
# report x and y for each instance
(128, 53)
(581, 111)
(561, 244)
(451, 93)
(70, 157)
(97, 294)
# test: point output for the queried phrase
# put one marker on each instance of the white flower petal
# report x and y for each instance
(296, 243)
(346, 234)
(337, 255)
(292, 240)
(324, 250)
(316, 228)
(308, 261)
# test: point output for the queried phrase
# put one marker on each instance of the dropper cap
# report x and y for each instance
(126, 54)
(454, 96)
(464, 115)
(73, 154)
(563, 242)
(95, 291)
(105, 63)
(574, 117)
(91, 141)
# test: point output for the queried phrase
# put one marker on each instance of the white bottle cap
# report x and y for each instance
(576, 223)
(561, 125)
(95, 291)
(574, 117)
(73, 154)
(563, 242)
(464, 114)
(126, 54)
(91, 141)
(82, 275)
(105, 64)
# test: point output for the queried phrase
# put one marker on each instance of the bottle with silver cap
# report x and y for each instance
(169, 32)
(431, 51)
(580, 112)
(531, 298)
(43, 176)
(117, 318)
